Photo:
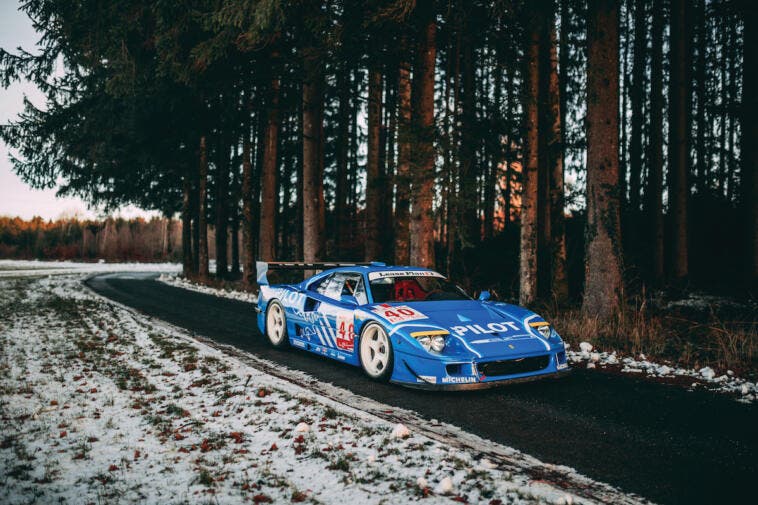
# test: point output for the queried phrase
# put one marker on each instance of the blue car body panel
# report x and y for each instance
(489, 343)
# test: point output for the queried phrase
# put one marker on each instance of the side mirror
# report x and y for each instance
(484, 296)
(349, 299)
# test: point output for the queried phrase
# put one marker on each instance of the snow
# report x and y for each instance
(742, 389)
(102, 404)
(401, 431)
(708, 373)
(34, 268)
(585, 347)
(445, 486)
(181, 282)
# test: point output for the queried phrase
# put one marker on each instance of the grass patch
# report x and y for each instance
(666, 335)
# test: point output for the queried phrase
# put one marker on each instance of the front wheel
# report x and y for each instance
(377, 358)
(276, 325)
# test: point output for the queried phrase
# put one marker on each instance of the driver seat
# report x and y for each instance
(408, 290)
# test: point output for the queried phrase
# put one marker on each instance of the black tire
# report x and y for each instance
(275, 314)
(366, 352)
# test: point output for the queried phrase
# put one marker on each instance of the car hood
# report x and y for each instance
(485, 329)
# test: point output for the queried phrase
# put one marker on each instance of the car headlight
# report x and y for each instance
(438, 343)
(433, 340)
(543, 327)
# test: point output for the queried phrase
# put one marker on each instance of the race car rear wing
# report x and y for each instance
(262, 267)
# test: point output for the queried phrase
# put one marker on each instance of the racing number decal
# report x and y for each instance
(398, 314)
(345, 331)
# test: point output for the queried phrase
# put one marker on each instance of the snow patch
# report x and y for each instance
(180, 282)
(400, 431)
(585, 346)
(744, 390)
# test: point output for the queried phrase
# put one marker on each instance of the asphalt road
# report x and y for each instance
(662, 442)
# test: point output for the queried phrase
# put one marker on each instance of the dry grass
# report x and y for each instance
(665, 336)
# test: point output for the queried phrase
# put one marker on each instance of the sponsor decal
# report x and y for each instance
(403, 273)
(345, 331)
(487, 340)
(308, 317)
(458, 380)
(298, 343)
(478, 329)
(398, 314)
(288, 297)
(427, 378)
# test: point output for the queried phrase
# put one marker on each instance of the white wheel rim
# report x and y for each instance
(375, 350)
(275, 323)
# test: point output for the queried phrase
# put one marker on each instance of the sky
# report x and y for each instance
(16, 198)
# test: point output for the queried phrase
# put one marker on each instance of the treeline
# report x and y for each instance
(86, 240)
(549, 148)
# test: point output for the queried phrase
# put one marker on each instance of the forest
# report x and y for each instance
(112, 240)
(578, 152)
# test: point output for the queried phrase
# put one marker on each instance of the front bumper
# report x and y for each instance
(461, 375)
(429, 386)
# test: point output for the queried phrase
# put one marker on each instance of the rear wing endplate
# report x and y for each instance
(262, 267)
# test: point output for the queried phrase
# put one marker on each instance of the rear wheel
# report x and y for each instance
(375, 351)
(276, 325)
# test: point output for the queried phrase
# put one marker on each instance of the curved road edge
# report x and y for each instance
(561, 477)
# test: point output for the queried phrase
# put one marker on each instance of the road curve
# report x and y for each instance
(662, 442)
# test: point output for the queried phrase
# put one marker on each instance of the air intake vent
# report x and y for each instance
(514, 366)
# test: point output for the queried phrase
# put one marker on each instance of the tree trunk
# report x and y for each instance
(603, 282)
(269, 190)
(342, 217)
(495, 151)
(222, 211)
(559, 281)
(202, 204)
(373, 175)
(564, 64)
(624, 90)
(655, 174)
(422, 196)
(700, 149)
(312, 128)
(402, 179)
(530, 162)
(234, 218)
(186, 227)
(195, 225)
(248, 244)
(468, 202)
(749, 151)
(679, 107)
(637, 99)
(545, 120)
(387, 164)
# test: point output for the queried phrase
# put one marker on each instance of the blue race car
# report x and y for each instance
(408, 325)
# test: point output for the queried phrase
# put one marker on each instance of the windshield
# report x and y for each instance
(413, 287)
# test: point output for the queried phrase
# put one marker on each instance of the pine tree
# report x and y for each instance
(529, 173)
(603, 281)
(679, 134)
(422, 168)
(269, 172)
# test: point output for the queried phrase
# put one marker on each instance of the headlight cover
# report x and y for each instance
(432, 340)
(543, 328)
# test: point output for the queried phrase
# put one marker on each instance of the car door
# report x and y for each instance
(313, 323)
(339, 311)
